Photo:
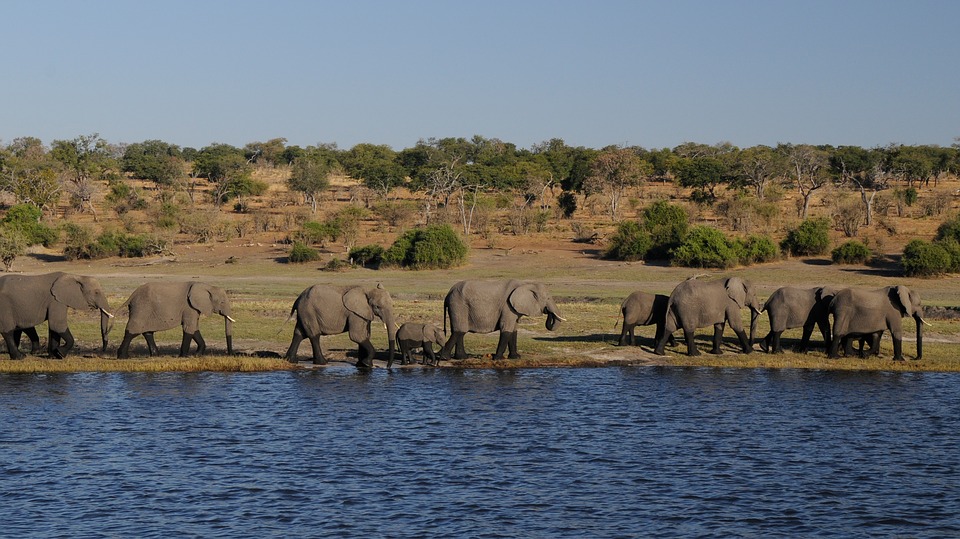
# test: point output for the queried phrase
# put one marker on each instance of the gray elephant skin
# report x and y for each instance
(412, 336)
(791, 307)
(486, 306)
(859, 312)
(697, 304)
(28, 300)
(329, 310)
(643, 309)
(160, 306)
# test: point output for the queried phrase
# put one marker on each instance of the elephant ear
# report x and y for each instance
(524, 300)
(737, 291)
(68, 290)
(355, 300)
(903, 294)
(200, 299)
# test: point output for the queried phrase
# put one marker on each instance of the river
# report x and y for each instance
(610, 452)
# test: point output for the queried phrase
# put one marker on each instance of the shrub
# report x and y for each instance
(12, 245)
(25, 219)
(81, 244)
(851, 252)
(948, 230)
(756, 249)
(336, 264)
(629, 243)
(667, 225)
(810, 238)
(705, 247)
(924, 259)
(368, 256)
(433, 247)
(301, 253)
(567, 202)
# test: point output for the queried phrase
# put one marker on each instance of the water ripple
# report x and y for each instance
(653, 452)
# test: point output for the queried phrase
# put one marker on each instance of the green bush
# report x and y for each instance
(756, 249)
(924, 259)
(851, 252)
(25, 219)
(705, 247)
(952, 247)
(810, 238)
(301, 253)
(12, 245)
(433, 247)
(567, 202)
(80, 243)
(949, 230)
(667, 225)
(629, 243)
(368, 256)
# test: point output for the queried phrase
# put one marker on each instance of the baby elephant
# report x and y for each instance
(412, 336)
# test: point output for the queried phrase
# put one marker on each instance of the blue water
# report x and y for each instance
(614, 452)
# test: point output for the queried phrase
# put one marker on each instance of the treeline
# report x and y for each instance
(458, 175)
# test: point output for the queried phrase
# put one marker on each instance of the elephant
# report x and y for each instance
(476, 306)
(329, 310)
(791, 307)
(159, 306)
(859, 312)
(28, 300)
(695, 304)
(411, 336)
(643, 309)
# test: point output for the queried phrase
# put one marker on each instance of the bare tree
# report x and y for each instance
(613, 172)
(808, 170)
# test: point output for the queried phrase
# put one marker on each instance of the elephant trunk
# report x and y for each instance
(553, 316)
(392, 327)
(920, 322)
(228, 332)
(106, 324)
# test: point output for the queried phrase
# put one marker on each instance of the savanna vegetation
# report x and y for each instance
(441, 202)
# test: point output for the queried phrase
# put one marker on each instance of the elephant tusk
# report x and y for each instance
(228, 318)
(925, 322)
(104, 311)
(560, 318)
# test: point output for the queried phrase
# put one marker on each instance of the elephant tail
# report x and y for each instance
(446, 310)
(293, 312)
(617, 321)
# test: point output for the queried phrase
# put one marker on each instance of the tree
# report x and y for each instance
(864, 169)
(613, 172)
(270, 152)
(756, 167)
(12, 245)
(376, 166)
(86, 158)
(808, 170)
(225, 167)
(154, 160)
(310, 176)
(704, 174)
(30, 174)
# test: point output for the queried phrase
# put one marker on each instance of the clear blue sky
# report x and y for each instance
(594, 73)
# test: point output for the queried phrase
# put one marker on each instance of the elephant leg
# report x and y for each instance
(11, 345)
(744, 341)
(365, 354)
(317, 351)
(61, 352)
(152, 348)
(455, 344)
(688, 335)
(512, 345)
(848, 346)
(824, 326)
(34, 339)
(53, 341)
(624, 335)
(805, 339)
(775, 343)
(833, 353)
(294, 344)
(897, 348)
(665, 335)
(185, 344)
(717, 339)
(201, 344)
(429, 358)
(501, 345)
(123, 352)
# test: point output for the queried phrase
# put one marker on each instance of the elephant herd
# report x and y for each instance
(858, 315)
(471, 306)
